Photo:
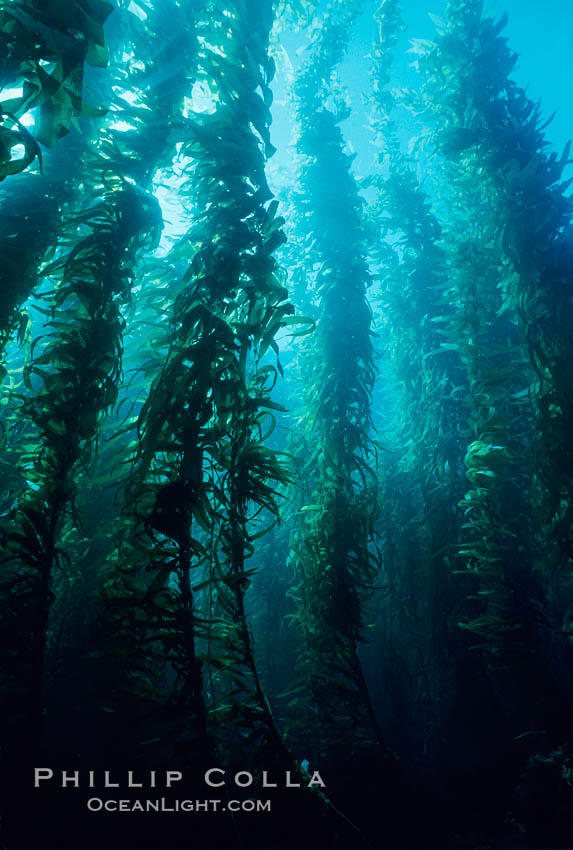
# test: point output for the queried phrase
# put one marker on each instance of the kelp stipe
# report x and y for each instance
(44, 52)
(201, 468)
(483, 138)
(78, 370)
(71, 383)
(533, 215)
(29, 221)
(334, 548)
(422, 420)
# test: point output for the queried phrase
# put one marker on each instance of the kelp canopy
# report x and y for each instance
(287, 436)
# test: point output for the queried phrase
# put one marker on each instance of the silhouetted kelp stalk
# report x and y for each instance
(488, 344)
(78, 373)
(422, 484)
(152, 74)
(202, 472)
(499, 131)
(414, 274)
(29, 218)
(335, 556)
(495, 507)
(44, 60)
(32, 208)
(133, 148)
(71, 384)
(43, 54)
(485, 132)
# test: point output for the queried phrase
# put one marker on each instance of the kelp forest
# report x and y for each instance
(286, 426)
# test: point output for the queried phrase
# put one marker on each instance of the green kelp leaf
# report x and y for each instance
(11, 138)
(308, 325)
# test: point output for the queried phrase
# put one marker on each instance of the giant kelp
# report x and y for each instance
(336, 558)
(201, 460)
(427, 420)
(488, 124)
(78, 373)
(482, 122)
(45, 47)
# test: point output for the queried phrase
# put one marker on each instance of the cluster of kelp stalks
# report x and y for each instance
(236, 533)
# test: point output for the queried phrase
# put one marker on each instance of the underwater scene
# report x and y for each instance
(286, 425)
